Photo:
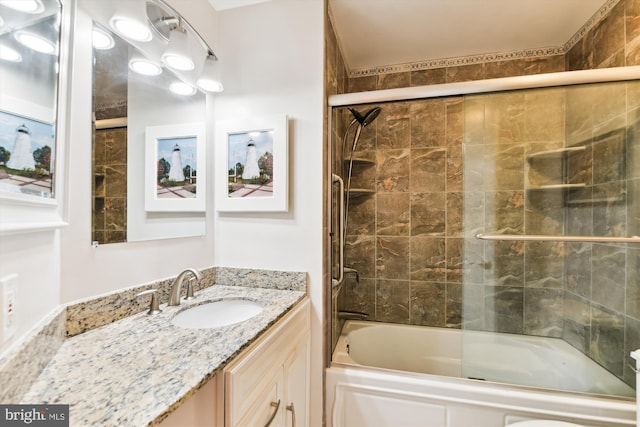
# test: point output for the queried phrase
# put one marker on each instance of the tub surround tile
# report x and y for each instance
(543, 312)
(428, 259)
(177, 361)
(503, 309)
(392, 257)
(392, 301)
(360, 254)
(544, 264)
(393, 214)
(577, 322)
(607, 339)
(362, 215)
(393, 127)
(428, 123)
(427, 304)
(392, 170)
(359, 296)
(428, 215)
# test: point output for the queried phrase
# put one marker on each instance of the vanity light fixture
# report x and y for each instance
(27, 6)
(177, 54)
(9, 54)
(35, 42)
(208, 79)
(144, 66)
(181, 88)
(101, 39)
(130, 20)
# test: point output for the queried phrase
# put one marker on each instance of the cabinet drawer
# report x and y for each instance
(267, 403)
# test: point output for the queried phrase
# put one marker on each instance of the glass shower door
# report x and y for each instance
(550, 273)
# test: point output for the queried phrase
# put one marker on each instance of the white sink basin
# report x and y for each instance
(216, 314)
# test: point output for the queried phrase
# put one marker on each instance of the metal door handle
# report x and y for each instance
(293, 414)
(338, 280)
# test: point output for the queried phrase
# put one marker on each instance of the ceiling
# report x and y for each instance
(395, 35)
(391, 33)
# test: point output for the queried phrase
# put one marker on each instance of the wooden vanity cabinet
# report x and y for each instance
(273, 369)
(268, 384)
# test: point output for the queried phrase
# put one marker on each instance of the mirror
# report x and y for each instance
(29, 63)
(149, 114)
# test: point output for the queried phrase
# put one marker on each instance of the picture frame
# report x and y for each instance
(27, 155)
(175, 168)
(252, 165)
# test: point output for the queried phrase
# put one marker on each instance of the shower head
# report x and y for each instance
(366, 118)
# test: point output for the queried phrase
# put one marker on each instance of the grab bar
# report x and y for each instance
(336, 281)
(551, 238)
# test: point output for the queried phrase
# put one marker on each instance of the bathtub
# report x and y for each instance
(398, 375)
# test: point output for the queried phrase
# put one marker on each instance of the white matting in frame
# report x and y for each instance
(252, 165)
(175, 168)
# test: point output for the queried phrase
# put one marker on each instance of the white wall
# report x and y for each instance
(271, 56)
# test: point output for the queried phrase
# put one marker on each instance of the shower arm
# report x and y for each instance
(341, 239)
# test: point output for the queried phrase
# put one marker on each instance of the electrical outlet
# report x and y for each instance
(8, 288)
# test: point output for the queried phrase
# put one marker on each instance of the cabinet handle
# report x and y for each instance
(275, 405)
(293, 414)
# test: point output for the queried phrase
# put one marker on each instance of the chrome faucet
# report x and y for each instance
(174, 297)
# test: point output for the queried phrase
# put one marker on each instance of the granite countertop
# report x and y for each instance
(135, 371)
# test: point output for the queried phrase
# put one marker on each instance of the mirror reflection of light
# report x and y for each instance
(101, 39)
(175, 56)
(181, 88)
(8, 54)
(132, 29)
(208, 80)
(28, 6)
(35, 42)
(145, 67)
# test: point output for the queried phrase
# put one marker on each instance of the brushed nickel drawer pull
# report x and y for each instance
(275, 405)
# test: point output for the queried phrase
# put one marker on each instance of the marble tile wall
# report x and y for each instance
(412, 240)
(109, 219)
(405, 239)
(601, 316)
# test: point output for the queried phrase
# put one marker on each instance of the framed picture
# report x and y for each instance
(27, 149)
(252, 165)
(175, 168)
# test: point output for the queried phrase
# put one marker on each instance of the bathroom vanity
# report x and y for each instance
(144, 370)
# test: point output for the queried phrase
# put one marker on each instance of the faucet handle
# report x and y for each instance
(154, 307)
(190, 293)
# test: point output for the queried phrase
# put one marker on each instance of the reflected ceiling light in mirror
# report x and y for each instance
(35, 42)
(144, 66)
(181, 88)
(208, 79)
(101, 39)
(27, 6)
(130, 20)
(177, 54)
(9, 54)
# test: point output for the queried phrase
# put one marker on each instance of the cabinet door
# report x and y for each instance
(296, 386)
(257, 377)
(266, 408)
